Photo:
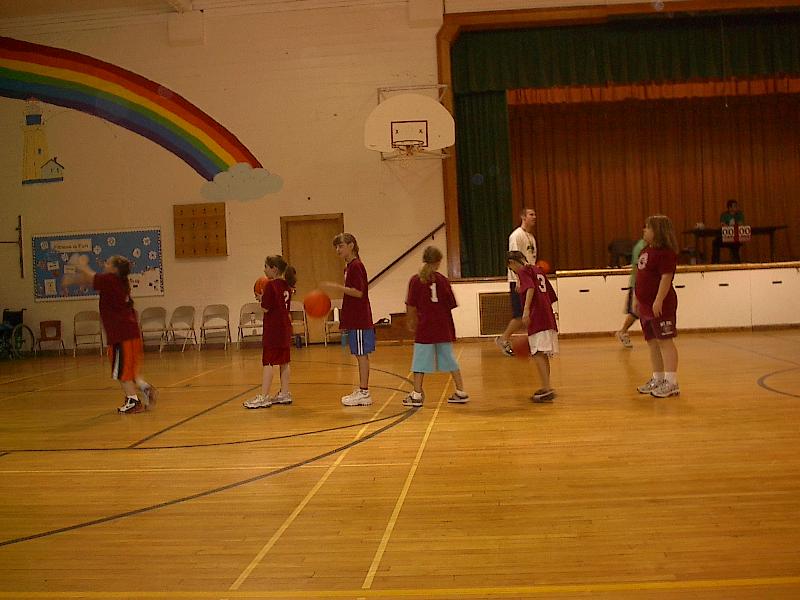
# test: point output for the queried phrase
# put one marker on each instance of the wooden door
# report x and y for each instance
(307, 245)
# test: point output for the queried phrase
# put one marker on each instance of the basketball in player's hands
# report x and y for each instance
(258, 286)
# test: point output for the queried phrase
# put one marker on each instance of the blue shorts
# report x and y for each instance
(429, 358)
(362, 341)
(516, 302)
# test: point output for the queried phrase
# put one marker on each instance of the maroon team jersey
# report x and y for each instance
(119, 319)
(277, 332)
(653, 263)
(433, 302)
(542, 317)
(356, 313)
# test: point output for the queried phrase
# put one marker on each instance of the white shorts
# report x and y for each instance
(545, 342)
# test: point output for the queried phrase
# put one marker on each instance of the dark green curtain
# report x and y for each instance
(484, 182)
(487, 63)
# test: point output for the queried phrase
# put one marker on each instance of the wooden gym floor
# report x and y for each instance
(605, 493)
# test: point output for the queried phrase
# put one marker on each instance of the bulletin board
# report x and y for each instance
(200, 230)
(56, 254)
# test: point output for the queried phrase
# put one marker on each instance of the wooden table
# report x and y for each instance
(716, 232)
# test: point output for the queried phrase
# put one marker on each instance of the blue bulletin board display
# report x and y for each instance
(56, 254)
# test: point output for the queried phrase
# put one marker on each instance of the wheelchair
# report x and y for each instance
(16, 338)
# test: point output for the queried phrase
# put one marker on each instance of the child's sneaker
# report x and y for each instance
(150, 394)
(666, 389)
(504, 345)
(413, 401)
(359, 397)
(624, 338)
(282, 398)
(131, 406)
(648, 387)
(259, 401)
(457, 399)
(542, 395)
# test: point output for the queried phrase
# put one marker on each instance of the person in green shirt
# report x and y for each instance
(732, 216)
(630, 315)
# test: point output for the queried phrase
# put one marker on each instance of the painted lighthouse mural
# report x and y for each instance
(37, 165)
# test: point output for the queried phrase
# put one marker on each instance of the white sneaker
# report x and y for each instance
(666, 389)
(258, 402)
(413, 401)
(150, 394)
(456, 399)
(625, 339)
(282, 398)
(504, 345)
(650, 385)
(359, 397)
(132, 405)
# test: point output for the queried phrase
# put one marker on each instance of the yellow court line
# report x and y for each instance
(47, 387)
(303, 503)
(33, 376)
(480, 592)
(387, 533)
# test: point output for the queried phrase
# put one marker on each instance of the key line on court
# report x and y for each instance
(210, 492)
(303, 503)
(401, 499)
(479, 592)
(762, 383)
(196, 469)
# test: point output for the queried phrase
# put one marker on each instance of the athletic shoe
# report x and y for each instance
(624, 339)
(666, 389)
(150, 396)
(131, 406)
(259, 401)
(359, 397)
(410, 400)
(282, 398)
(542, 395)
(456, 399)
(649, 386)
(504, 345)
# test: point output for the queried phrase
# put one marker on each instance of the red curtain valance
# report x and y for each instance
(655, 91)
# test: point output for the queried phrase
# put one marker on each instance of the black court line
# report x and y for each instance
(751, 351)
(206, 445)
(763, 378)
(2, 454)
(230, 486)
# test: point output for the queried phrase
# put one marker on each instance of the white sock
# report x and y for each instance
(658, 375)
(416, 395)
(672, 377)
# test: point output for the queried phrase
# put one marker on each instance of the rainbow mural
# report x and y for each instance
(83, 83)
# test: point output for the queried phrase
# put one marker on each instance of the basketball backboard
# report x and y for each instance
(408, 125)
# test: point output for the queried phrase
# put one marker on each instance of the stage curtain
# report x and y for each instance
(658, 49)
(594, 171)
(484, 182)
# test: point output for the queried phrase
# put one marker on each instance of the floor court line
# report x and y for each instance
(303, 503)
(475, 592)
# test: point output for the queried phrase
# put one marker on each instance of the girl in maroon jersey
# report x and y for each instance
(657, 305)
(537, 297)
(429, 302)
(277, 331)
(356, 314)
(125, 347)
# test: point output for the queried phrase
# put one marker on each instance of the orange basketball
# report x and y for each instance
(317, 304)
(544, 265)
(519, 343)
(258, 286)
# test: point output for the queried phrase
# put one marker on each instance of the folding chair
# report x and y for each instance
(50, 331)
(152, 321)
(182, 322)
(251, 317)
(332, 320)
(215, 321)
(86, 324)
(299, 320)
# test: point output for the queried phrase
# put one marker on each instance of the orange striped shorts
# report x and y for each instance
(126, 357)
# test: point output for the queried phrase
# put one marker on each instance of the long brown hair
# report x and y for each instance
(431, 258)
(123, 267)
(663, 232)
(276, 261)
(346, 238)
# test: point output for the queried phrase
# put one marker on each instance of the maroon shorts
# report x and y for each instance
(275, 356)
(660, 328)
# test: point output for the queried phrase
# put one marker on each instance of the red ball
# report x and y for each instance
(544, 265)
(258, 286)
(519, 343)
(317, 304)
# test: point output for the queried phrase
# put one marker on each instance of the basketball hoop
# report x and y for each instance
(408, 150)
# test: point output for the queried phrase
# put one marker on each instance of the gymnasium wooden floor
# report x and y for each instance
(603, 494)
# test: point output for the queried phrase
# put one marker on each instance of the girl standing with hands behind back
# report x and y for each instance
(277, 331)
(657, 305)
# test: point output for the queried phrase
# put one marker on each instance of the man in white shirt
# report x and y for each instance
(520, 239)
